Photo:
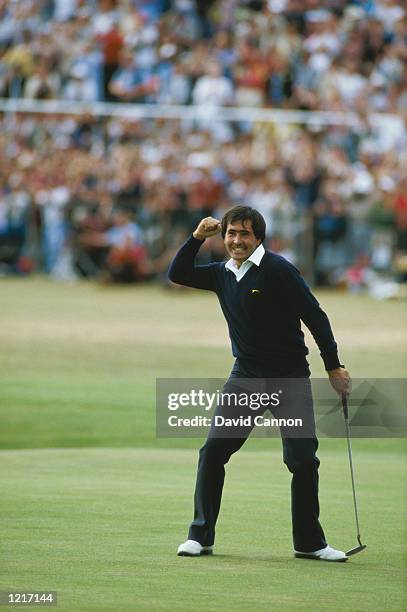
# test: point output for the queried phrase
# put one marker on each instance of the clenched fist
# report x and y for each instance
(207, 227)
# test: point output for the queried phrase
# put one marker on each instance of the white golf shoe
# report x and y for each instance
(324, 554)
(191, 548)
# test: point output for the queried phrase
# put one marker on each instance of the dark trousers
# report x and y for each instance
(299, 455)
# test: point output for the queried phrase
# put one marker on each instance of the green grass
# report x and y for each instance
(78, 362)
(94, 506)
(101, 527)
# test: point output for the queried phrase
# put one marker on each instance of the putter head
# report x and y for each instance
(356, 550)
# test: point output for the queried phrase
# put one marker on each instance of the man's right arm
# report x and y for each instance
(183, 269)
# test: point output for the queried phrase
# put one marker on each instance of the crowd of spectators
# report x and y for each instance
(112, 197)
(308, 54)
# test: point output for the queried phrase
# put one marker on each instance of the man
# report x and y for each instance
(126, 258)
(264, 299)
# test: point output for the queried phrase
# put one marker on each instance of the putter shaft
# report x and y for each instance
(361, 546)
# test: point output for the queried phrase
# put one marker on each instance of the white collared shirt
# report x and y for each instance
(255, 258)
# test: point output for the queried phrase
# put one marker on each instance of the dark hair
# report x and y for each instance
(245, 213)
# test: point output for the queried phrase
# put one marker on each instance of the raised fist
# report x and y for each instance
(206, 228)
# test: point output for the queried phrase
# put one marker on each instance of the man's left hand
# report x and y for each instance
(340, 380)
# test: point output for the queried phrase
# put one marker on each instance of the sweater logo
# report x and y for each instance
(255, 291)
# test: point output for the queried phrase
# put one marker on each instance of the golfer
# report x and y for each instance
(264, 299)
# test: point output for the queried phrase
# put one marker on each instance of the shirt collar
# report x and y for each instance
(255, 258)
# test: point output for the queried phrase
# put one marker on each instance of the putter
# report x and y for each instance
(361, 546)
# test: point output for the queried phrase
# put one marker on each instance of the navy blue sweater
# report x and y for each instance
(264, 325)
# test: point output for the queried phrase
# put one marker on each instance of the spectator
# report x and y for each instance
(126, 258)
(104, 24)
(212, 89)
(250, 72)
(79, 86)
(132, 84)
(18, 65)
(330, 227)
(43, 84)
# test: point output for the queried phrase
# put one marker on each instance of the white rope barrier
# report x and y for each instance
(159, 111)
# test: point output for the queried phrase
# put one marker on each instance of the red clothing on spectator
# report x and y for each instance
(111, 45)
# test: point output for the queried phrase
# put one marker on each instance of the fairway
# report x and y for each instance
(94, 506)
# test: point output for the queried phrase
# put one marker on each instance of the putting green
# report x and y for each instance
(101, 527)
(94, 506)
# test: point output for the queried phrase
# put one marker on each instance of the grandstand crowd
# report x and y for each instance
(112, 197)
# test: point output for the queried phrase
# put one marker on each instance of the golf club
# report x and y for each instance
(361, 546)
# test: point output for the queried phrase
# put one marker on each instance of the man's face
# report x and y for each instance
(240, 241)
